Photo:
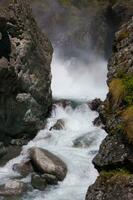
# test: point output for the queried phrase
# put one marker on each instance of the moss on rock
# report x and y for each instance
(117, 91)
(127, 116)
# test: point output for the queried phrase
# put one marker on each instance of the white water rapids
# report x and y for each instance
(81, 85)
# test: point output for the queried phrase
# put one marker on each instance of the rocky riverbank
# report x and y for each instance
(115, 158)
(25, 73)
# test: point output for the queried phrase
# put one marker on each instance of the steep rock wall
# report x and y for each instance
(25, 73)
(115, 158)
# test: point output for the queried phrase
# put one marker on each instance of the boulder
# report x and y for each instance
(38, 182)
(45, 162)
(12, 188)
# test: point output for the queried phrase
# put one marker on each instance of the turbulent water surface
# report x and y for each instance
(80, 82)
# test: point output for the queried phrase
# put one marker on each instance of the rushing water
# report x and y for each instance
(78, 123)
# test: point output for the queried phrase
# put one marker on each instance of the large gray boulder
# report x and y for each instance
(25, 74)
(47, 163)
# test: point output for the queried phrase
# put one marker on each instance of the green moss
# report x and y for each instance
(128, 85)
(121, 89)
(120, 73)
(119, 128)
(127, 116)
(117, 172)
(117, 91)
(65, 2)
(123, 34)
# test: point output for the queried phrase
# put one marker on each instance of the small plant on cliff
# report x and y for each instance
(128, 85)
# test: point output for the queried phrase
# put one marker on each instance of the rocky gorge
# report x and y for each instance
(48, 143)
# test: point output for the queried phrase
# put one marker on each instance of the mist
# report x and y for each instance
(79, 67)
(74, 79)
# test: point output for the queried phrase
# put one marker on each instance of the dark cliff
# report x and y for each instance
(115, 158)
(25, 73)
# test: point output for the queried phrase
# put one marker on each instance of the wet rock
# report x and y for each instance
(95, 104)
(38, 182)
(63, 103)
(50, 179)
(45, 162)
(97, 121)
(12, 188)
(24, 168)
(3, 149)
(19, 142)
(59, 125)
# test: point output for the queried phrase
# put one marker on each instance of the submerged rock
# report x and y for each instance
(59, 125)
(45, 162)
(25, 74)
(84, 141)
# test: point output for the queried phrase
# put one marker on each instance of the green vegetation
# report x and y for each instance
(121, 89)
(117, 172)
(117, 91)
(65, 2)
(128, 85)
(127, 116)
(123, 34)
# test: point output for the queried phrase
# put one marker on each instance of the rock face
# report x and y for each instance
(25, 75)
(114, 160)
(113, 187)
(45, 162)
